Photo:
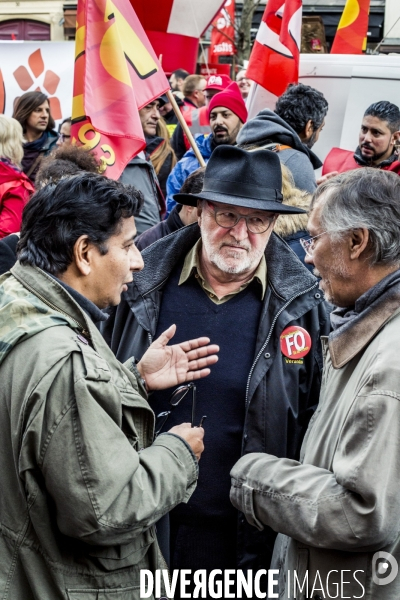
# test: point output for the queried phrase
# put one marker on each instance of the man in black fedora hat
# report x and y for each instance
(231, 278)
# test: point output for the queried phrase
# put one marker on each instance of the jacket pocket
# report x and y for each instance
(128, 555)
(125, 593)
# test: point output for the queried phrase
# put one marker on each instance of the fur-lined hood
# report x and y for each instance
(289, 224)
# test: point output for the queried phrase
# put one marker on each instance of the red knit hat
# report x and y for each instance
(230, 98)
(218, 82)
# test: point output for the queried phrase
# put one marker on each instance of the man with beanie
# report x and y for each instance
(227, 113)
(231, 275)
(197, 119)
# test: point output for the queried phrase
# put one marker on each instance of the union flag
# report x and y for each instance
(274, 61)
(351, 34)
(116, 74)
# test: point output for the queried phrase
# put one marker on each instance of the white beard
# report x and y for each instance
(231, 261)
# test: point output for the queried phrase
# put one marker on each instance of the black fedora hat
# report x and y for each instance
(249, 179)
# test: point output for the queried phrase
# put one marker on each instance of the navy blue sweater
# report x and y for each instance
(221, 396)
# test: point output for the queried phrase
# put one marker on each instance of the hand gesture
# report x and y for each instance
(165, 366)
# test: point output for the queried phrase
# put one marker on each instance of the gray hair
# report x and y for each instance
(364, 198)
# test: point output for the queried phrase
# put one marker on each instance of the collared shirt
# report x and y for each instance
(192, 266)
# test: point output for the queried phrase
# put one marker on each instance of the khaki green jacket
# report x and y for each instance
(340, 505)
(82, 484)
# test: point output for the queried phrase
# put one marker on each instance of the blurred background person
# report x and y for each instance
(161, 154)
(15, 187)
(65, 161)
(32, 110)
(65, 133)
(197, 119)
(243, 83)
(177, 80)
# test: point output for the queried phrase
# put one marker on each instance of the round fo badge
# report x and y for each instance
(295, 342)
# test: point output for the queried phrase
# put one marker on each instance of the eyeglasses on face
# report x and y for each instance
(255, 223)
(308, 245)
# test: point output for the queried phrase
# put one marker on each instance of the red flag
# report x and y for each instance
(116, 74)
(351, 35)
(223, 33)
(174, 28)
(274, 61)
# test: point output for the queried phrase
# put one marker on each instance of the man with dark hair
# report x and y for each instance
(379, 134)
(177, 79)
(32, 110)
(264, 388)
(180, 215)
(338, 506)
(64, 161)
(83, 480)
(291, 131)
(65, 133)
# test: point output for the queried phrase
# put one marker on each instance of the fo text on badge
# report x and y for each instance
(295, 343)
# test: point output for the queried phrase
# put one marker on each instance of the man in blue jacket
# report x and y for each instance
(227, 113)
(231, 276)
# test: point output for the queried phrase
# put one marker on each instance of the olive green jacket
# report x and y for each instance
(82, 484)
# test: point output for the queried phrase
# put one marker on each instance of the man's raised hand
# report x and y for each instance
(164, 366)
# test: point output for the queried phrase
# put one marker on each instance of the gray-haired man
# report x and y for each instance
(340, 504)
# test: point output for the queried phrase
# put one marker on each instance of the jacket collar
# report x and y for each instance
(286, 274)
(346, 342)
(51, 292)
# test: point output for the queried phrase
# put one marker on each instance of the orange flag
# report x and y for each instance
(116, 74)
(351, 34)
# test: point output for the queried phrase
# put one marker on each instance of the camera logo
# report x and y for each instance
(384, 568)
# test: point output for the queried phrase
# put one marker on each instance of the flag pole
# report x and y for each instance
(185, 128)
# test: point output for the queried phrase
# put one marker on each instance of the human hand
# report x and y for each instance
(192, 435)
(326, 177)
(165, 366)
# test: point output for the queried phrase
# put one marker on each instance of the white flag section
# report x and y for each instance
(350, 83)
(191, 17)
(47, 67)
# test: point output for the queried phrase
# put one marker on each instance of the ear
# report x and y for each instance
(308, 129)
(82, 253)
(395, 137)
(199, 209)
(358, 242)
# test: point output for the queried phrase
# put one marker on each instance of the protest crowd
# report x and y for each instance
(221, 303)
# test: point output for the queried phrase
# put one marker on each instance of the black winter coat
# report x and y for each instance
(280, 397)
(171, 224)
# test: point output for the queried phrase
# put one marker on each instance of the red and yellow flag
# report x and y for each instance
(351, 34)
(116, 74)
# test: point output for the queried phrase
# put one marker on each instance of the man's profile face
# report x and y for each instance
(173, 82)
(38, 120)
(111, 272)
(149, 117)
(314, 137)
(235, 250)
(375, 141)
(65, 135)
(329, 259)
(225, 125)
